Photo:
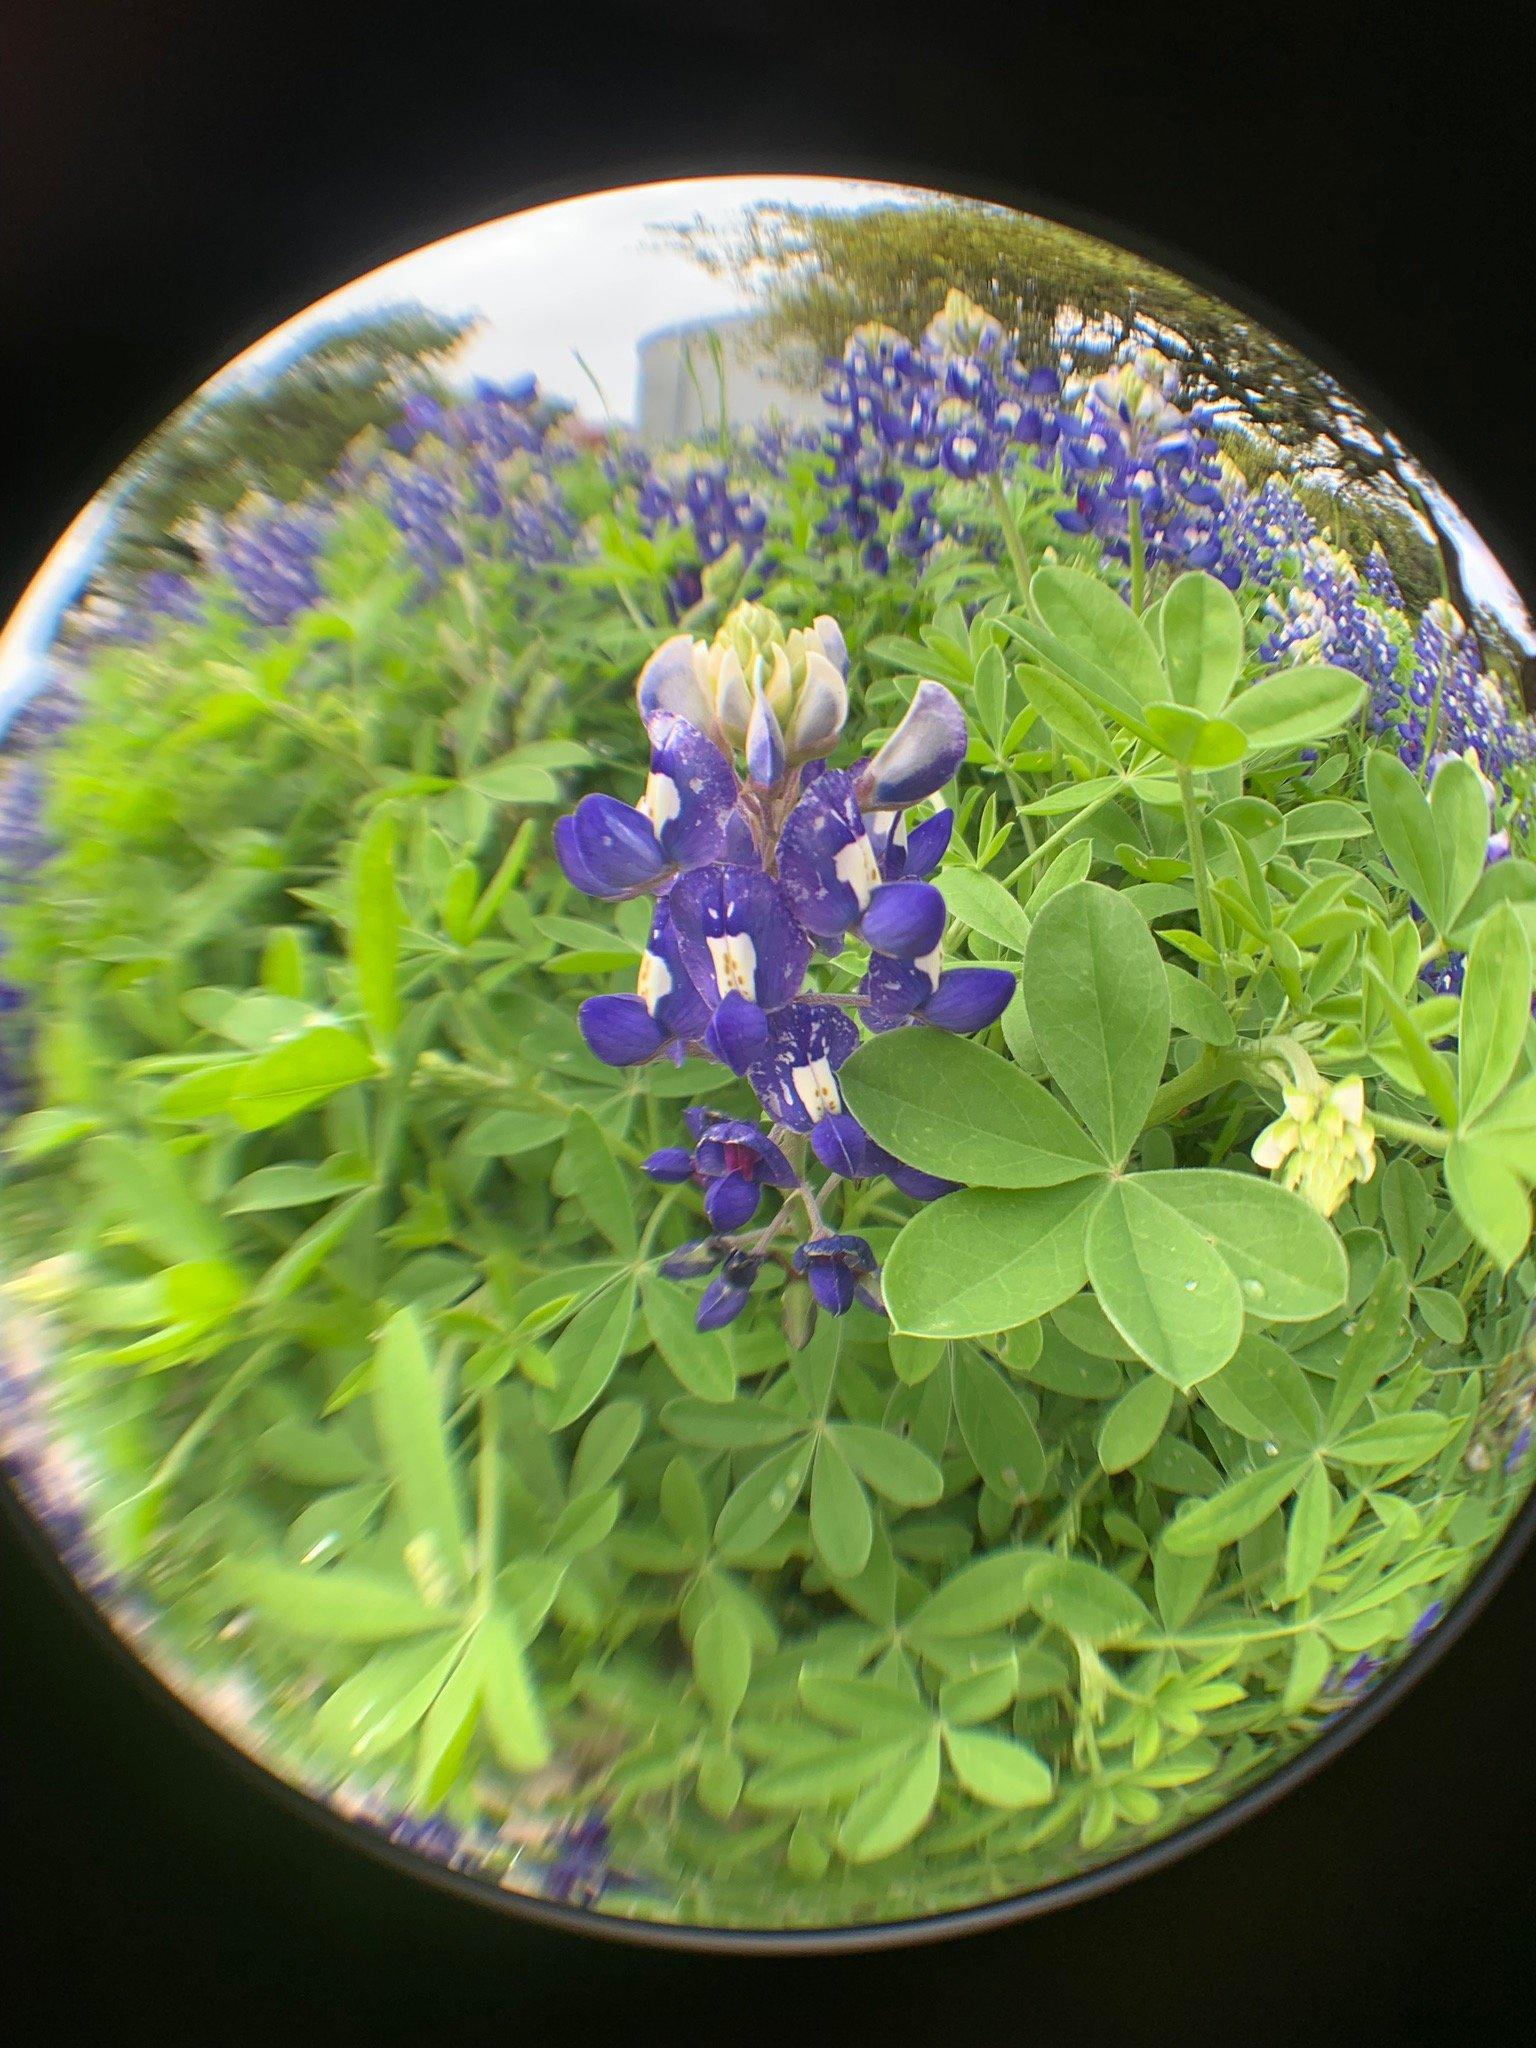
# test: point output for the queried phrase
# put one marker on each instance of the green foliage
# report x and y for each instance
(360, 1308)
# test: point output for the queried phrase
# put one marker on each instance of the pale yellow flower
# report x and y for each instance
(1322, 1144)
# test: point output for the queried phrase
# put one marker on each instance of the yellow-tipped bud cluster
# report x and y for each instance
(794, 681)
(1323, 1143)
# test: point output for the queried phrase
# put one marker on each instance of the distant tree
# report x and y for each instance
(279, 434)
(816, 274)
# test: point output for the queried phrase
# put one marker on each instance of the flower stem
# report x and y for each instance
(1138, 559)
(1210, 927)
(1426, 1136)
(1011, 536)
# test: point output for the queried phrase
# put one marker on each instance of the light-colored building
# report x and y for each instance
(682, 370)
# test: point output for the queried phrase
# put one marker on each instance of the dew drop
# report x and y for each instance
(1271, 1450)
(1189, 1286)
(1254, 1289)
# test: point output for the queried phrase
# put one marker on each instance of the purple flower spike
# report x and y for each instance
(736, 934)
(737, 1032)
(842, 1145)
(834, 1267)
(921, 754)
(620, 1030)
(672, 1165)
(969, 998)
(827, 861)
(690, 794)
(670, 682)
(796, 1078)
(609, 849)
(905, 919)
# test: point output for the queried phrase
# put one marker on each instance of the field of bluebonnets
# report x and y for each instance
(784, 1183)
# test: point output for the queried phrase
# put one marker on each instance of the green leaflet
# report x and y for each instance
(1162, 1284)
(965, 1113)
(1098, 1004)
(988, 1259)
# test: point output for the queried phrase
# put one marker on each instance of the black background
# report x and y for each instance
(179, 177)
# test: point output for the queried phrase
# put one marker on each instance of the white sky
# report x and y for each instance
(584, 277)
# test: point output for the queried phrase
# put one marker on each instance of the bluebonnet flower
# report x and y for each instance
(1324, 618)
(271, 554)
(836, 1265)
(706, 500)
(23, 846)
(1126, 445)
(755, 875)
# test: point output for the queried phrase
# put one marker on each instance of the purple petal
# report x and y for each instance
(842, 1146)
(969, 998)
(928, 843)
(736, 932)
(905, 919)
(894, 990)
(765, 743)
(795, 1078)
(737, 1032)
(620, 1030)
(731, 1201)
(669, 682)
(693, 1260)
(617, 846)
(569, 855)
(921, 754)
(690, 795)
(672, 1165)
(922, 1187)
(733, 1146)
(664, 984)
(830, 634)
(827, 864)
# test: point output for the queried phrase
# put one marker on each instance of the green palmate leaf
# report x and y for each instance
(979, 1695)
(987, 1259)
(1287, 1258)
(1068, 713)
(1188, 737)
(862, 1706)
(842, 1527)
(948, 1106)
(1086, 1602)
(1200, 628)
(408, 1414)
(1263, 1394)
(586, 1355)
(1458, 803)
(514, 1718)
(981, 902)
(733, 1426)
(997, 1770)
(598, 1184)
(763, 1502)
(1088, 618)
(887, 1814)
(1406, 1440)
(1406, 828)
(1306, 1536)
(1226, 1516)
(506, 1132)
(901, 1472)
(338, 1606)
(1098, 1003)
(986, 1594)
(1134, 1424)
(1495, 1010)
(997, 1428)
(374, 1710)
(722, 1661)
(1425, 1068)
(446, 1732)
(1162, 1285)
(293, 1186)
(1297, 705)
(374, 937)
(827, 1774)
(1489, 1195)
